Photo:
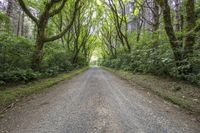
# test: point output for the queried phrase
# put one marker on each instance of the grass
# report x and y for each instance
(10, 95)
(185, 95)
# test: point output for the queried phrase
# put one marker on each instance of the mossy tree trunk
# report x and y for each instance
(175, 45)
(156, 23)
(181, 53)
(190, 24)
(41, 26)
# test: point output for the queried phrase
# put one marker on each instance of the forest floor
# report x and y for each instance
(97, 101)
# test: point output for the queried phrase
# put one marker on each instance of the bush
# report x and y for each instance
(56, 59)
(15, 52)
(160, 61)
(4, 22)
(52, 71)
(19, 75)
(16, 56)
(143, 60)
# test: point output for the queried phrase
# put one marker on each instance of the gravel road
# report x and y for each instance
(97, 101)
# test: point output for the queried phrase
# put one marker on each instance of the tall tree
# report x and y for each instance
(118, 10)
(10, 7)
(175, 45)
(181, 56)
(190, 24)
(51, 8)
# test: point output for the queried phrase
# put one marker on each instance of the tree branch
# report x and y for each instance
(56, 11)
(26, 10)
(53, 38)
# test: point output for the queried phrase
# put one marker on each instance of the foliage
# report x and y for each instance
(16, 55)
(62, 38)
(4, 22)
(66, 32)
(160, 44)
(15, 52)
(19, 75)
(160, 61)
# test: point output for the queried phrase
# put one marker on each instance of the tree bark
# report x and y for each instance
(22, 24)
(9, 10)
(18, 24)
(190, 24)
(174, 42)
(38, 53)
(156, 24)
(177, 16)
(120, 21)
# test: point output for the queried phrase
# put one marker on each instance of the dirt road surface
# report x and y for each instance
(97, 101)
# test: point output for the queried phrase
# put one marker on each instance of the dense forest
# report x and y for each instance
(43, 38)
(159, 37)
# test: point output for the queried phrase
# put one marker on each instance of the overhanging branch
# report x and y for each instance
(56, 11)
(26, 10)
(53, 38)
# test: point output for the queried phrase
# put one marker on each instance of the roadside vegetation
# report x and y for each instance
(42, 43)
(165, 43)
(162, 39)
(41, 39)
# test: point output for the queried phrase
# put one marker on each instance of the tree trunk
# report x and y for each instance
(19, 24)
(38, 54)
(41, 24)
(155, 27)
(9, 10)
(74, 59)
(177, 15)
(22, 24)
(12, 13)
(140, 24)
(190, 38)
(174, 42)
(190, 24)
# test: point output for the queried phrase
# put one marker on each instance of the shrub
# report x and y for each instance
(15, 52)
(19, 75)
(159, 61)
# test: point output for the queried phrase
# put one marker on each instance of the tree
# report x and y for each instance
(190, 24)
(10, 7)
(118, 10)
(51, 8)
(180, 57)
(83, 29)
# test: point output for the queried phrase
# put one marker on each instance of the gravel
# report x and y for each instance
(97, 101)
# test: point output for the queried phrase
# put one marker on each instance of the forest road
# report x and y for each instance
(97, 101)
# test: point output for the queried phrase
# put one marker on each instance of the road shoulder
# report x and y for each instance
(186, 96)
(10, 96)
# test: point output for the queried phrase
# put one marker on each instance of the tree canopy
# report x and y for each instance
(45, 37)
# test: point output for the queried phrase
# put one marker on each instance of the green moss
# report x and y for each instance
(8, 95)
